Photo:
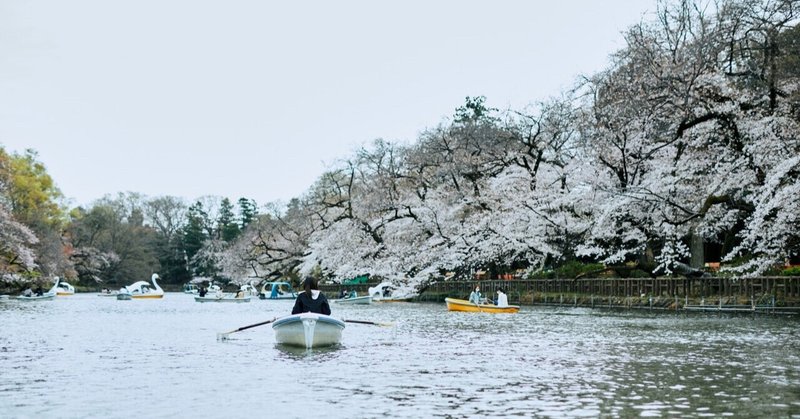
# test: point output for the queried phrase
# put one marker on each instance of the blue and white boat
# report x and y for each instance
(308, 330)
(49, 295)
(277, 291)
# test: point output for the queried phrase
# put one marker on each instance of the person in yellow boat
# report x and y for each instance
(475, 296)
(502, 298)
(311, 300)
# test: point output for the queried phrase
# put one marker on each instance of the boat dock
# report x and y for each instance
(774, 295)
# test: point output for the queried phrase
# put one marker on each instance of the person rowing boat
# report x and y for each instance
(311, 300)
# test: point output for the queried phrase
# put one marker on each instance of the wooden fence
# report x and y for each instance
(696, 293)
(633, 287)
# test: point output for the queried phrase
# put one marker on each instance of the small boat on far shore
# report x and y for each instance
(455, 304)
(49, 295)
(65, 288)
(224, 298)
(141, 289)
(308, 330)
(365, 299)
(277, 291)
(107, 293)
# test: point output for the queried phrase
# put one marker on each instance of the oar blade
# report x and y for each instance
(381, 324)
(225, 336)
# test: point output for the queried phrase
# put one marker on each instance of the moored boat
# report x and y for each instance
(142, 290)
(308, 330)
(455, 304)
(366, 299)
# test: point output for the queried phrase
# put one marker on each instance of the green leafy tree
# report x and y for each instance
(167, 214)
(474, 110)
(112, 243)
(194, 232)
(34, 200)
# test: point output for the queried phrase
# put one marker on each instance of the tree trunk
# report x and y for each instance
(698, 257)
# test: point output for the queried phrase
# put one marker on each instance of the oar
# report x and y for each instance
(372, 323)
(224, 336)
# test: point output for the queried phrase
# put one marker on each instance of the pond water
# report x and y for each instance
(88, 356)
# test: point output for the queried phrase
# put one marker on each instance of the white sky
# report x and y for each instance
(256, 98)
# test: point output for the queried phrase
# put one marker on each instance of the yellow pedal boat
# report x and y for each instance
(454, 304)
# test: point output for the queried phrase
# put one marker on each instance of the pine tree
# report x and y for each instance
(227, 229)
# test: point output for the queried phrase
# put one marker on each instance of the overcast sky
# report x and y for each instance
(256, 98)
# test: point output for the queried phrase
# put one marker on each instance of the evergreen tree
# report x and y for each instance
(248, 210)
(194, 232)
(227, 229)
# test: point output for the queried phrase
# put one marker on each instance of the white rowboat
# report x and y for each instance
(49, 295)
(308, 330)
(227, 298)
(366, 299)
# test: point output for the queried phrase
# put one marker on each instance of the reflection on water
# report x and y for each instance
(296, 353)
(86, 356)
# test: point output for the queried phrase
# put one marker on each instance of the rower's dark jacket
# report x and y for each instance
(304, 304)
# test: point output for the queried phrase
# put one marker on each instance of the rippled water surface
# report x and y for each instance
(89, 356)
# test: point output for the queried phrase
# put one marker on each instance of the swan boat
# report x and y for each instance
(141, 289)
(454, 304)
(364, 299)
(386, 292)
(49, 295)
(308, 330)
(249, 290)
(65, 288)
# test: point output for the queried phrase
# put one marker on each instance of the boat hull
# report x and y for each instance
(454, 304)
(355, 300)
(146, 296)
(222, 300)
(45, 297)
(124, 296)
(392, 300)
(308, 330)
